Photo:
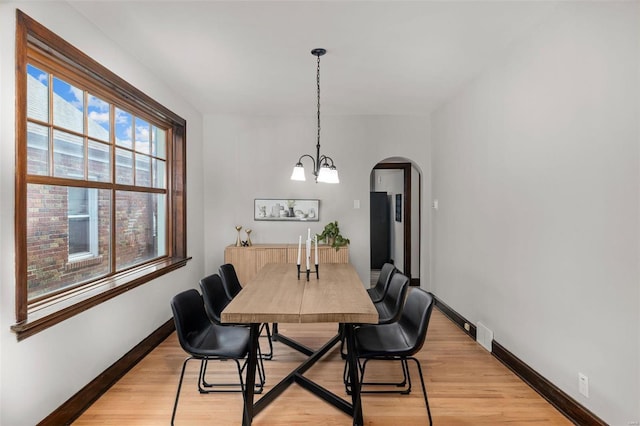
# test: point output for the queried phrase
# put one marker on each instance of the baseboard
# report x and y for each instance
(78, 403)
(568, 406)
(455, 317)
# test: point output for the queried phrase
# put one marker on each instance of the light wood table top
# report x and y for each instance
(276, 295)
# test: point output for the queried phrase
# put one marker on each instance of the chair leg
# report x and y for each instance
(205, 387)
(268, 355)
(343, 354)
(424, 389)
(175, 404)
(406, 379)
(240, 369)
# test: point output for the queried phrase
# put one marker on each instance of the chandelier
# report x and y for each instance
(323, 168)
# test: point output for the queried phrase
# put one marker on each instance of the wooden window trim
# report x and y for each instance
(35, 317)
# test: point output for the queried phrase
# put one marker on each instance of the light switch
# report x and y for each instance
(356, 204)
(435, 204)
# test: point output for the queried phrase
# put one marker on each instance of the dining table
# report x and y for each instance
(278, 293)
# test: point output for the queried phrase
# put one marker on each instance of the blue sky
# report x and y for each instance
(98, 111)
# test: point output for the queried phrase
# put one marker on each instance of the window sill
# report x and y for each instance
(43, 315)
(82, 262)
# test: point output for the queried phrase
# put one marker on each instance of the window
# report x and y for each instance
(99, 182)
(82, 217)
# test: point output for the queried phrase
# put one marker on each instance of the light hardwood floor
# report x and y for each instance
(466, 386)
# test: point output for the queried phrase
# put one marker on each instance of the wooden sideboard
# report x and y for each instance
(247, 261)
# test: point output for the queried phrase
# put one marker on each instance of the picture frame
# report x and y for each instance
(398, 207)
(286, 210)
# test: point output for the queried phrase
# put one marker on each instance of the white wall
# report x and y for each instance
(536, 169)
(41, 372)
(252, 157)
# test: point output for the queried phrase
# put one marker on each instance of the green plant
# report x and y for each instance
(331, 235)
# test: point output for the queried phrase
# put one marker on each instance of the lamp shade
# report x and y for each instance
(328, 174)
(333, 175)
(298, 172)
(323, 174)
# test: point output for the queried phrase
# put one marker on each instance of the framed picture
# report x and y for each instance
(286, 210)
(398, 207)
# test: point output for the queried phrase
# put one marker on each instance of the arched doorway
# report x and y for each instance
(395, 217)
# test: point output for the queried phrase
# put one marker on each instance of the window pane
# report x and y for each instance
(37, 149)
(37, 94)
(68, 106)
(99, 161)
(124, 128)
(99, 118)
(143, 135)
(79, 235)
(159, 141)
(68, 155)
(143, 170)
(124, 166)
(140, 227)
(159, 172)
(78, 202)
(49, 267)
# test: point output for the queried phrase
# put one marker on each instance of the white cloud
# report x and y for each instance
(98, 103)
(99, 117)
(123, 117)
(142, 133)
(77, 94)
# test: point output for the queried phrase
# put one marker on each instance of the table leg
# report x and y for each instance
(354, 375)
(249, 383)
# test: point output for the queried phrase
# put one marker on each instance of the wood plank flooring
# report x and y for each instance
(465, 384)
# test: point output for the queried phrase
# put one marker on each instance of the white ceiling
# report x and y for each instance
(253, 57)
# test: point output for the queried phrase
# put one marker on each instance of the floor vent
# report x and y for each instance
(484, 336)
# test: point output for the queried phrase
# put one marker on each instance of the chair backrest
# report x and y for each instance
(190, 319)
(230, 280)
(394, 299)
(214, 296)
(414, 320)
(382, 285)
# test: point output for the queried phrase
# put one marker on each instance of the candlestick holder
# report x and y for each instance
(238, 240)
(249, 243)
(309, 272)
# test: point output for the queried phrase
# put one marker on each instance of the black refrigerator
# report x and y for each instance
(380, 223)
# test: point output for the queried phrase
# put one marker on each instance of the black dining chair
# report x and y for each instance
(397, 341)
(378, 292)
(232, 287)
(215, 300)
(390, 308)
(204, 340)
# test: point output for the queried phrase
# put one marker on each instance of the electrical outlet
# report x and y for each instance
(467, 327)
(583, 384)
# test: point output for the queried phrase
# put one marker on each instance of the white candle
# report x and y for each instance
(309, 234)
(316, 249)
(308, 254)
(299, 248)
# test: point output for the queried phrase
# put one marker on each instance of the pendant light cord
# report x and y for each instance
(318, 85)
